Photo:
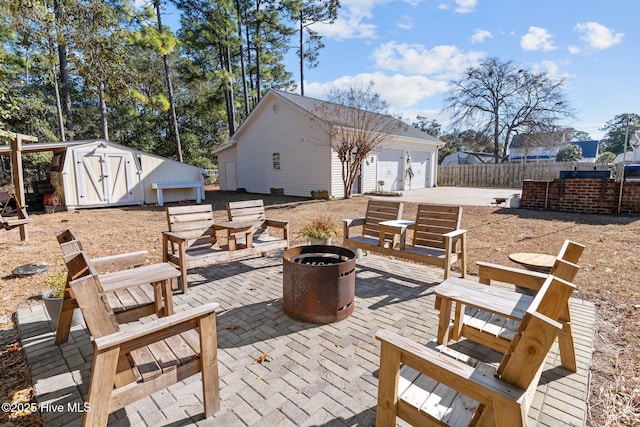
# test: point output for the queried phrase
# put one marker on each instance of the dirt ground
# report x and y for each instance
(610, 275)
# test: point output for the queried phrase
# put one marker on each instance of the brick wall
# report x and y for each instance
(581, 195)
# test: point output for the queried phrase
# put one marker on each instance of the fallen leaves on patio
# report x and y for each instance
(264, 357)
(232, 327)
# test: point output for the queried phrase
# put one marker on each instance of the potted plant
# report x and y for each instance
(52, 298)
(319, 231)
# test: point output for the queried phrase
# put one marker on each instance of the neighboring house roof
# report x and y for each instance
(589, 148)
(315, 107)
(469, 158)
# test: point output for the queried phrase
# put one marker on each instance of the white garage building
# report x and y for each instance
(280, 145)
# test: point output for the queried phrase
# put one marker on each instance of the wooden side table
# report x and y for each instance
(237, 227)
(542, 263)
(395, 227)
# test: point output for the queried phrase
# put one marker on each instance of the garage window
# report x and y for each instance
(276, 161)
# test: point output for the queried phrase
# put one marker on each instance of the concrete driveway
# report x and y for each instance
(464, 196)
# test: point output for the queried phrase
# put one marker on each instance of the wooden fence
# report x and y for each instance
(506, 175)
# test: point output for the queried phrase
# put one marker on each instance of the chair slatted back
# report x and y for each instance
(549, 303)
(94, 305)
(193, 222)
(249, 211)
(432, 221)
(379, 211)
(571, 251)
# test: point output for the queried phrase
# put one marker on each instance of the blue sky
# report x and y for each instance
(411, 49)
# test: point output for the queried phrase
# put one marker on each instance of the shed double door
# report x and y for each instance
(103, 177)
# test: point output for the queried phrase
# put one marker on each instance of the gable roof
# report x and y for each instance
(314, 106)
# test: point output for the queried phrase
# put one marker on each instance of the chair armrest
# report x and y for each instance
(119, 261)
(513, 275)
(455, 374)
(173, 237)
(276, 223)
(146, 333)
(454, 234)
(353, 222)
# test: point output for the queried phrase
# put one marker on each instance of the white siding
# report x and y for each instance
(224, 157)
(162, 170)
(369, 174)
(304, 157)
(337, 187)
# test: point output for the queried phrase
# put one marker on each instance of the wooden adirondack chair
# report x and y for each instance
(490, 315)
(133, 363)
(124, 278)
(434, 389)
(565, 267)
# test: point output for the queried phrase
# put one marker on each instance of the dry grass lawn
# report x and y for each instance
(610, 275)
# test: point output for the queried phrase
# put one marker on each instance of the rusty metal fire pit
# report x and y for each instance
(319, 283)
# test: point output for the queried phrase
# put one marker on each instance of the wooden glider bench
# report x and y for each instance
(126, 281)
(161, 186)
(9, 222)
(132, 363)
(191, 241)
(437, 239)
(424, 386)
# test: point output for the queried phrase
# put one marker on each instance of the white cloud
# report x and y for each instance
(445, 60)
(597, 35)
(399, 90)
(480, 35)
(574, 50)
(354, 20)
(405, 23)
(537, 39)
(466, 6)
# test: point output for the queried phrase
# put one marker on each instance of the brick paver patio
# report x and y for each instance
(315, 375)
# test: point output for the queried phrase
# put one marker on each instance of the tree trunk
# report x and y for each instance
(103, 111)
(64, 72)
(56, 90)
(242, 66)
(301, 54)
(167, 75)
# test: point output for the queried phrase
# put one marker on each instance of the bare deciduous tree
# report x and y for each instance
(500, 98)
(356, 122)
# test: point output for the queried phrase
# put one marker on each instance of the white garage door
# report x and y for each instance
(420, 167)
(390, 169)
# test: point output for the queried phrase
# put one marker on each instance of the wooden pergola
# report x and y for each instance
(16, 170)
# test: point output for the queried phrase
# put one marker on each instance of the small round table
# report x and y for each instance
(532, 261)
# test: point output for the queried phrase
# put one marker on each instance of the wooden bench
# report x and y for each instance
(133, 363)
(126, 281)
(433, 388)
(9, 222)
(161, 186)
(369, 237)
(437, 237)
(191, 241)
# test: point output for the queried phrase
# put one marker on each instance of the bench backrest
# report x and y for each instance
(432, 221)
(379, 211)
(248, 211)
(193, 222)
